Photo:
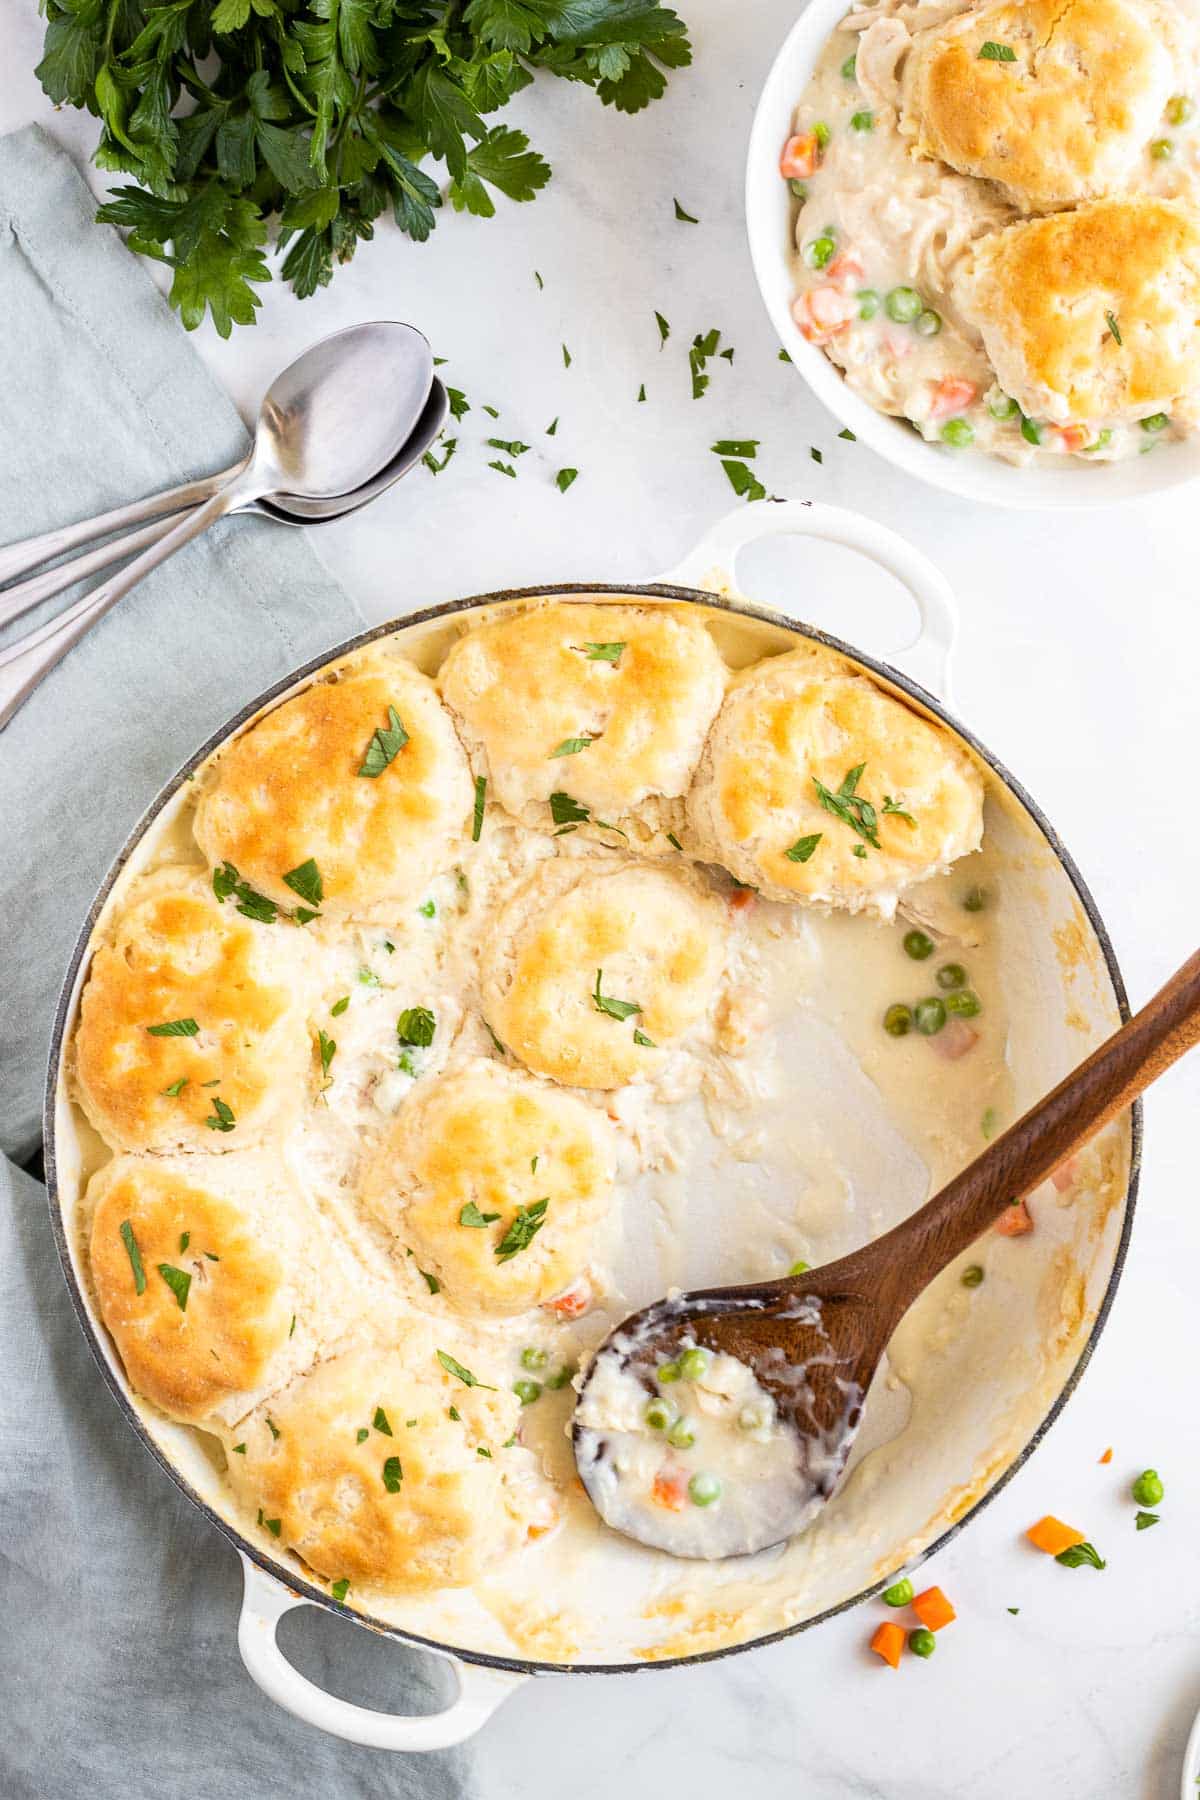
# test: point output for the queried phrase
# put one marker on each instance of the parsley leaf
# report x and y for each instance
(339, 1589)
(416, 1026)
(664, 330)
(306, 881)
(174, 1028)
(1144, 1520)
(735, 447)
(1110, 319)
(571, 746)
(743, 480)
(179, 1281)
(176, 1088)
(464, 1375)
(991, 52)
(380, 1422)
(135, 1257)
(250, 904)
(431, 1281)
(480, 798)
(1079, 1554)
(527, 1222)
(564, 479)
(393, 1474)
(803, 848)
(471, 1215)
(643, 1042)
(685, 218)
(328, 1049)
(850, 807)
(566, 811)
(896, 811)
(221, 1118)
(616, 1009)
(339, 1006)
(383, 748)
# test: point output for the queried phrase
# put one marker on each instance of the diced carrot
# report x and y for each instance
(951, 395)
(954, 1039)
(1014, 1221)
(1074, 437)
(821, 311)
(888, 1642)
(844, 267)
(742, 899)
(800, 157)
(1065, 1173)
(1052, 1536)
(573, 1302)
(933, 1609)
(1107, 1457)
(670, 1489)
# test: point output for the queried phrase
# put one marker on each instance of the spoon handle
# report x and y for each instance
(1044, 1138)
(23, 596)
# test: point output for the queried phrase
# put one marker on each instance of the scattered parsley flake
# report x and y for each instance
(571, 746)
(306, 880)
(339, 1589)
(239, 1449)
(896, 811)
(1079, 1554)
(1110, 319)
(471, 1215)
(328, 1048)
(274, 1526)
(735, 447)
(704, 345)
(1144, 1520)
(368, 978)
(464, 1375)
(273, 1428)
(641, 393)
(552, 427)
(459, 404)
(803, 847)
(992, 52)
(491, 412)
(449, 446)
(566, 811)
(527, 1222)
(179, 1281)
(538, 279)
(616, 1009)
(384, 747)
(643, 1042)
(221, 1117)
(292, 1327)
(480, 798)
(815, 454)
(174, 1028)
(503, 468)
(454, 1414)
(339, 1006)
(185, 1238)
(564, 479)
(512, 446)
(361, 1435)
(743, 480)
(416, 1026)
(431, 1281)
(499, 1047)
(380, 1422)
(135, 1257)
(566, 357)
(176, 1088)
(685, 218)
(848, 435)
(849, 806)
(664, 330)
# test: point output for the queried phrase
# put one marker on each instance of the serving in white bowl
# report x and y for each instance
(770, 220)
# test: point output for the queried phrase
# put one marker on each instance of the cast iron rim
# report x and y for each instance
(292, 1578)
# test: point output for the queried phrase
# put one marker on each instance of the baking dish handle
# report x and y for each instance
(714, 558)
(265, 1601)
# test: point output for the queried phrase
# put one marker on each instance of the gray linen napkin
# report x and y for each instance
(119, 1674)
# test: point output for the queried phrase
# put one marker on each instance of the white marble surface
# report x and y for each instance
(1077, 666)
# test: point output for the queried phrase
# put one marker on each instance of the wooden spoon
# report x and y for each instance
(814, 1341)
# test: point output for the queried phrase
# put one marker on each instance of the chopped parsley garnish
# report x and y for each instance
(454, 1414)
(1078, 1554)
(368, 977)
(510, 446)
(533, 1163)
(503, 468)
(449, 446)
(328, 1048)
(704, 345)
(339, 1006)
(273, 1428)
(1110, 319)
(643, 1042)
(860, 850)
(538, 279)
(499, 1047)
(464, 1375)
(524, 1228)
(897, 811)
(566, 357)
(992, 52)
(292, 1327)
(221, 1118)
(427, 909)
(185, 1238)
(564, 478)
(672, 839)
(431, 1281)
(1144, 1520)
(641, 393)
(135, 1257)
(250, 903)
(571, 746)
(566, 811)
(471, 1215)
(1014, 1610)
(176, 1088)
(274, 1526)
(491, 412)
(384, 747)
(685, 218)
(849, 806)
(664, 330)
(735, 447)
(306, 881)
(216, 1082)
(803, 847)
(616, 1009)
(178, 1280)
(743, 480)
(552, 427)
(848, 435)
(481, 1450)
(480, 799)
(815, 454)
(380, 1422)
(239, 1449)
(361, 1435)
(459, 404)
(339, 1589)
(175, 1028)
(416, 1026)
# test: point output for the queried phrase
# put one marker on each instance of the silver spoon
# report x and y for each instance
(328, 424)
(284, 508)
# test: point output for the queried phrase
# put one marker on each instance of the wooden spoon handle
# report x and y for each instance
(1111, 1078)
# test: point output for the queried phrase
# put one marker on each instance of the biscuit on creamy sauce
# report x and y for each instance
(1045, 294)
(816, 785)
(188, 1003)
(362, 1468)
(605, 707)
(497, 1183)
(1060, 105)
(596, 967)
(361, 774)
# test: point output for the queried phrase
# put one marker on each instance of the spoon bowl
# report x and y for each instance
(298, 509)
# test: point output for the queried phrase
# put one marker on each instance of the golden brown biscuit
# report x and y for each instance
(361, 1467)
(636, 687)
(595, 968)
(230, 993)
(489, 1143)
(199, 1275)
(292, 789)
(901, 800)
(1046, 293)
(1058, 108)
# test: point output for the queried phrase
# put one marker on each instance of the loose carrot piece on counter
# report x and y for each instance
(888, 1642)
(933, 1609)
(1052, 1536)
(1107, 1457)
(1014, 1221)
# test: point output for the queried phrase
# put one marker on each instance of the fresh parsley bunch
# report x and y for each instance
(316, 115)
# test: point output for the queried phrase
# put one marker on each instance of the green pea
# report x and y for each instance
(1156, 422)
(797, 190)
(1179, 109)
(897, 1020)
(899, 1594)
(918, 945)
(1148, 1489)
(903, 304)
(821, 133)
(1162, 149)
(927, 323)
(972, 1275)
(668, 1371)
(929, 1016)
(848, 67)
(922, 1642)
(957, 433)
(862, 121)
(693, 1364)
(527, 1391)
(800, 1268)
(680, 1437)
(975, 900)
(952, 975)
(704, 1489)
(532, 1358)
(1030, 432)
(965, 1004)
(868, 303)
(658, 1415)
(819, 251)
(561, 1378)
(1003, 407)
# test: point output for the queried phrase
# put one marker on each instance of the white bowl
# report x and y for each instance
(973, 474)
